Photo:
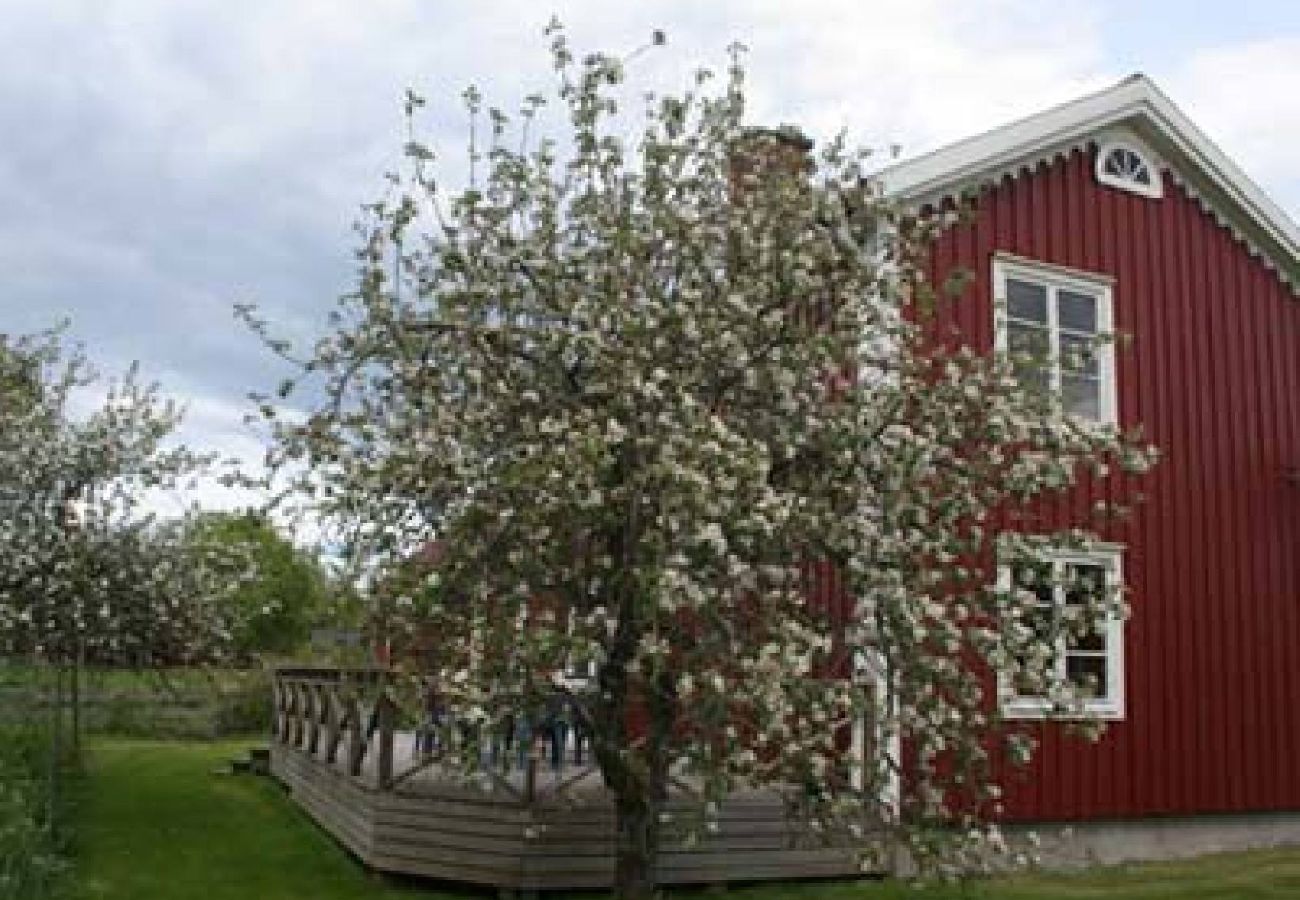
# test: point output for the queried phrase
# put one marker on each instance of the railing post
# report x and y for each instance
(286, 712)
(332, 724)
(530, 774)
(300, 715)
(275, 706)
(283, 721)
(385, 719)
(314, 717)
(295, 717)
(356, 738)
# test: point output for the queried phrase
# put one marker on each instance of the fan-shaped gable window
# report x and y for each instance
(1128, 168)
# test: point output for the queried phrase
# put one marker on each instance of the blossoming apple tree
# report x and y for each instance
(647, 393)
(84, 573)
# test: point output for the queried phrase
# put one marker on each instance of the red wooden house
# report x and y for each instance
(1114, 212)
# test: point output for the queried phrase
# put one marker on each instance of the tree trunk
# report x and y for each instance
(636, 848)
(639, 799)
(77, 662)
(56, 745)
(636, 802)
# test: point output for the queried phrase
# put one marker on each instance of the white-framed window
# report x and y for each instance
(1089, 655)
(1056, 323)
(1124, 165)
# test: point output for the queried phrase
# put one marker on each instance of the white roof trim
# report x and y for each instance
(1136, 104)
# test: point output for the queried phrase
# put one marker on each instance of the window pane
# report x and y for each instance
(1031, 339)
(1127, 165)
(1029, 345)
(1078, 354)
(1081, 396)
(1086, 584)
(1084, 581)
(1038, 580)
(1093, 639)
(1040, 618)
(1077, 312)
(1026, 300)
(1033, 379)
(1088, 673)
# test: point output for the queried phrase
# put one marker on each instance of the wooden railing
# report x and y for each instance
(352, 718)
(324, 711)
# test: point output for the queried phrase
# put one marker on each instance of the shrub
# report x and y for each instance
(245, 710)
(181, 704)
(31, 845)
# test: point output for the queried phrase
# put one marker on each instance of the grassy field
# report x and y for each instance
(156, 823)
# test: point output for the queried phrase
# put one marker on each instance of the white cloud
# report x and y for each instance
(1246, 97)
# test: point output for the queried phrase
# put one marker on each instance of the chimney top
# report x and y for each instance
(790, 135)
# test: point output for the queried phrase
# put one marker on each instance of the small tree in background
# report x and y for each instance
(640, 391)
(275, 609)
(85, 574)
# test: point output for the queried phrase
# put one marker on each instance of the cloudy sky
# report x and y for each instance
(161, 160)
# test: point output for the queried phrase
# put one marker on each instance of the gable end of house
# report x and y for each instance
(1134, 116)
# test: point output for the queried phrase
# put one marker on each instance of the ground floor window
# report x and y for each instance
(1088, 654)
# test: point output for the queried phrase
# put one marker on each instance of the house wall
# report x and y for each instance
(1212, 555)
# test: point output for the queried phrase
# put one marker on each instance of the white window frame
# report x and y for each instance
(1056, 278)
(1109, 707)
(870, 667)
(1155, 190)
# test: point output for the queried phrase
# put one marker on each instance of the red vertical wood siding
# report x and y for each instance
(1212, 558)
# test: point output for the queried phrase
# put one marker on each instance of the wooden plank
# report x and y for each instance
(559, 877)
(760, 872)
(742, 860)
(449, 842)
(335, 793)
(483, 826)
(349, 829)
(479, 838)
(461, 870)
(332, 800)
(347, 823)
(452, 806)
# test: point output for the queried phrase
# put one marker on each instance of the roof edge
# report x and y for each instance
(1197, 163)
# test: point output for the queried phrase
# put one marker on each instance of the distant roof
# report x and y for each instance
(1135, 104)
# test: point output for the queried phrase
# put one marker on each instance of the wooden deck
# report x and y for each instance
(535, 829)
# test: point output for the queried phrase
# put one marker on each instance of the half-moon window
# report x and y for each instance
(1128, 168)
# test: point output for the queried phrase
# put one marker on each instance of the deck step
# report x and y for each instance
(256, 762)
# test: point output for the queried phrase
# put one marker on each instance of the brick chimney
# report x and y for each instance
(764, 152)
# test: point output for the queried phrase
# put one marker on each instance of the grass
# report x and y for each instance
(1257, 875)
(156, 823)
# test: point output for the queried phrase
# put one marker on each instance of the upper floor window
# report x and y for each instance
(1128, 167)
(1056, 324)
(1086, 654)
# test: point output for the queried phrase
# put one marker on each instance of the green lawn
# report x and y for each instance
(155, 823)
